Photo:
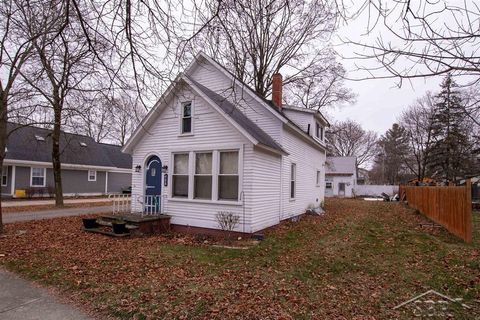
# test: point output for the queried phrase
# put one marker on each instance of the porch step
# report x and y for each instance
(108, 233)
(109, 224)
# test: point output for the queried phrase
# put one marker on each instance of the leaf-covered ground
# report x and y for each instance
(357, 262)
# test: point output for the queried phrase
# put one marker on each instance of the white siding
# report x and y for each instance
(266, 190)
(265, 199)
(215, 80)
(308, 160)
(211, 131)
(302, 119)
(349, 185)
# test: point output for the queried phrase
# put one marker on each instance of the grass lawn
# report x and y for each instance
(357, 262)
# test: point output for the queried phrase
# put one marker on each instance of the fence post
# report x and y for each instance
(468, 213)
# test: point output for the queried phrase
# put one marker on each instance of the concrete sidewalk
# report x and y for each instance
(25, 203)
(53, 213)
(19, 299)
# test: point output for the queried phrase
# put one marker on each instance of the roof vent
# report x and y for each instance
(39, 138)
(83, 144)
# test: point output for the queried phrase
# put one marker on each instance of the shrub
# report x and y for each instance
(227, 221)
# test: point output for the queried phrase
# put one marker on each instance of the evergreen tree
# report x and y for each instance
(452, 149)
(394, 151)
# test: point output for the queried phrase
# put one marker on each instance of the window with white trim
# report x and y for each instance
(4, 176)
(293, 177)
(202, 188)
(319, 177)
(328, 185)
(180, 175)
(186, 118)
(318, 131)
(228, 176)
(38, 177)
(92, 175)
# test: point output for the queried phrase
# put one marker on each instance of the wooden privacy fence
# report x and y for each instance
(449, 206)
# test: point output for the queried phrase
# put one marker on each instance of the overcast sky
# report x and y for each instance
(380, 101)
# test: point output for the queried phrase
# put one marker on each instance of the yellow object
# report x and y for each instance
(20, 193)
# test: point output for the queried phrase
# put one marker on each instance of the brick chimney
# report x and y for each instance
(277, 90)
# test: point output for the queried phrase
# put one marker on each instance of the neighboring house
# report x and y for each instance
(211, 145)
(88, 167)
(340, 176)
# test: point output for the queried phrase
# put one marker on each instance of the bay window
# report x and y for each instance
(203, 176)
(228, 176)
(180, 175)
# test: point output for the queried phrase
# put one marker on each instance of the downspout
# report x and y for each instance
(242, 197)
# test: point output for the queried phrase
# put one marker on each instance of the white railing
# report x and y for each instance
(121, 203)
(149, 205)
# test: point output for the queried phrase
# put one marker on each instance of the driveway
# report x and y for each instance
(19, 299)
(24, 203)
(53, 213)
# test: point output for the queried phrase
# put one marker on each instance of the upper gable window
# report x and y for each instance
(186, 117)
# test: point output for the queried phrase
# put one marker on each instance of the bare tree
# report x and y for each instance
(15, 50)
(62, 62)
(126, 115)
(321, 87)
(417, 121)
(420, 38)
(348, 138)
(91, 116)
(257, 39)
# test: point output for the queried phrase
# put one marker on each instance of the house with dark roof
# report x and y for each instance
(340, 176)
(211, 145)
(88, 168)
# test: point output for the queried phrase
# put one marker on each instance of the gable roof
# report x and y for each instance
(306, 110)
(268, 104)
(240, 118)
(30, 143)
(341, 165)
(247, 127)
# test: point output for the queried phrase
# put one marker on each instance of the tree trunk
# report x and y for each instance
(57, 166)
(3, 141)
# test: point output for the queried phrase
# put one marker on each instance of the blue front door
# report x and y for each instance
(153, 185)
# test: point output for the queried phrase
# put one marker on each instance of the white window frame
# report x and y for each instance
(318, 178)
(331, 185)
(192, 112)
(44, 176)
(195, 174)
(293, 178)
(228, 174)
(89, 175)
(189, 175)
(215, 171)
(320, 133)
(5, 175)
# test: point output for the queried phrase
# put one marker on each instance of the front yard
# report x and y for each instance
(358, 261)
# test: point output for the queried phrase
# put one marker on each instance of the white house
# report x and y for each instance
(210, 144)
(340, 176)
